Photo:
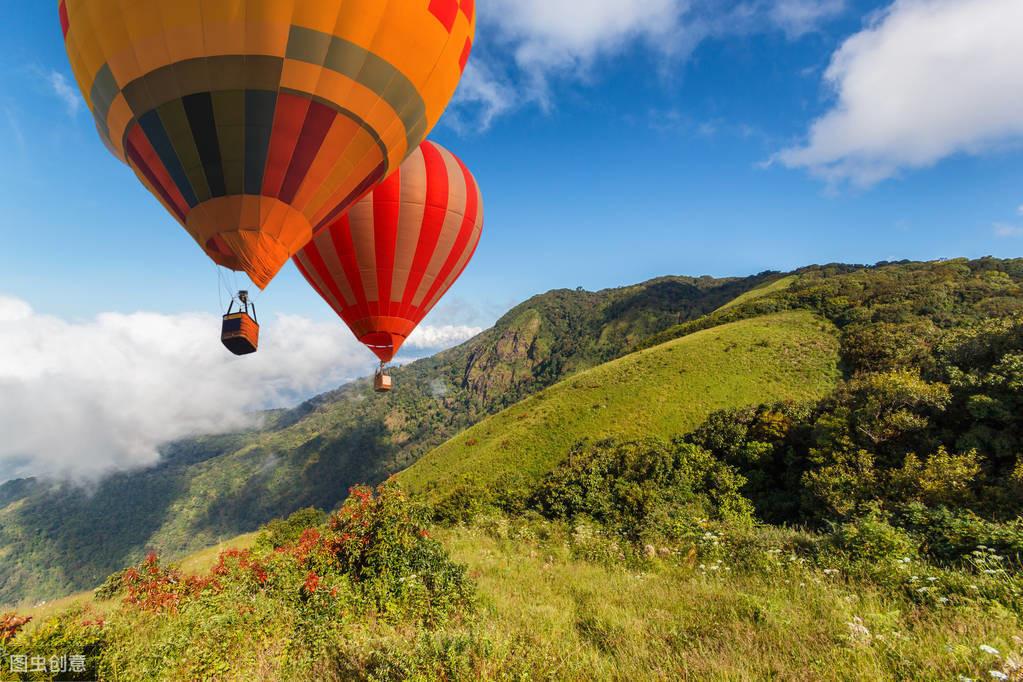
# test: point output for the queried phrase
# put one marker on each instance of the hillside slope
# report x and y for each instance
(56, 539)
(662, 391)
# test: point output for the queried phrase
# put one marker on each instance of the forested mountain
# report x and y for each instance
(56, 538)
(832, 457)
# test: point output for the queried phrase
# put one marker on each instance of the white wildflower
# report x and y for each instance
(858, 632)
(988, 649)
(997, 675)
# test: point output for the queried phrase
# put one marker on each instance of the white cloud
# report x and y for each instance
(1005, 230)
(442, 336)
(531, 44)
(799, 17)
(1020, 210)
(65, 91)
(551, 36)
(80, 399)
(481, 97)
(926, 79)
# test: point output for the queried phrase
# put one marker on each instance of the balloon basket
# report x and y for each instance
(240, 333)
(382, 383)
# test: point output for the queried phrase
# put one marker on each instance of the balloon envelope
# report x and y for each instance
(384, 265)
(258, 122)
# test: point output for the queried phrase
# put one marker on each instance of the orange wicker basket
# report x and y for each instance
(240, 333)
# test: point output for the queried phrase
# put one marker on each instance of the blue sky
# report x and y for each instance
(634, 139)
(625, 156)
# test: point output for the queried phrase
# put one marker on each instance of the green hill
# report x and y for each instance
(59, 538)
(772, 287)
(56, 539)
(662, 391)
(875, 533)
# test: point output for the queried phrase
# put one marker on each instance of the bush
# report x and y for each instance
(69, 641)
(872, 538)
(281, 532)
(381, 542)
(951, 535)
(941, 479)
(622, 484)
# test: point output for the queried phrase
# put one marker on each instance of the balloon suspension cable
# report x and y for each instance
(223, 287)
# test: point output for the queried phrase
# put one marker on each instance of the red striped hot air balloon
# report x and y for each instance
(384, 264)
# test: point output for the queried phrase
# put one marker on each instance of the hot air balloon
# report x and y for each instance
(258, 122)
(384, 264)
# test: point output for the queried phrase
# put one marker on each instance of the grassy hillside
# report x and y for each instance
(662, 391)
(774, 286)
(56, 539)
(896, 497)
(549, 601)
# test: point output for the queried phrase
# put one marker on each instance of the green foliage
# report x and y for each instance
(70, 634)
(373, 561)
(942, 479)
(111, 587)
(872, 538)
(58, 539)
(281, 532)
(625, 485)
(660, 392)
(953, 534)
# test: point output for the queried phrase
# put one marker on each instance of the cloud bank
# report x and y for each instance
(81, 399)
(924, 80)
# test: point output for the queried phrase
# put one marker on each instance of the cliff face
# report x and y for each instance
(492, 370)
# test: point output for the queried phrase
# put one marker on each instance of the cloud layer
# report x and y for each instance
(81, 399)
(924, 80)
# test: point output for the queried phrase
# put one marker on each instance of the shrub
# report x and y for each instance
(950, 535)
(59, 641)
(872, 538)
(463, 504)
(841, 485)
(280, 532)
(381, 542)
(941, 479)
(622, 484)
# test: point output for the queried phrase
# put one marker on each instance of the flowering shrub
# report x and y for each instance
(153, 587)
(56, 641)
(375, 553)
(11, 624)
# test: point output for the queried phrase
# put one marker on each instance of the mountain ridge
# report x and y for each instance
(56, 538)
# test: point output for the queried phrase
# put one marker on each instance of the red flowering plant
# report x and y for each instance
(153, 587)
(240, 564)
(374, 554)
(10, 624)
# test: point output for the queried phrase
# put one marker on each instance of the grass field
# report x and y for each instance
(777, 285)
(548, 615)
(739, 605)
(661, 391)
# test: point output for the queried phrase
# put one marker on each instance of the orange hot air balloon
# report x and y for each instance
(258, 122)
(384, 265)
